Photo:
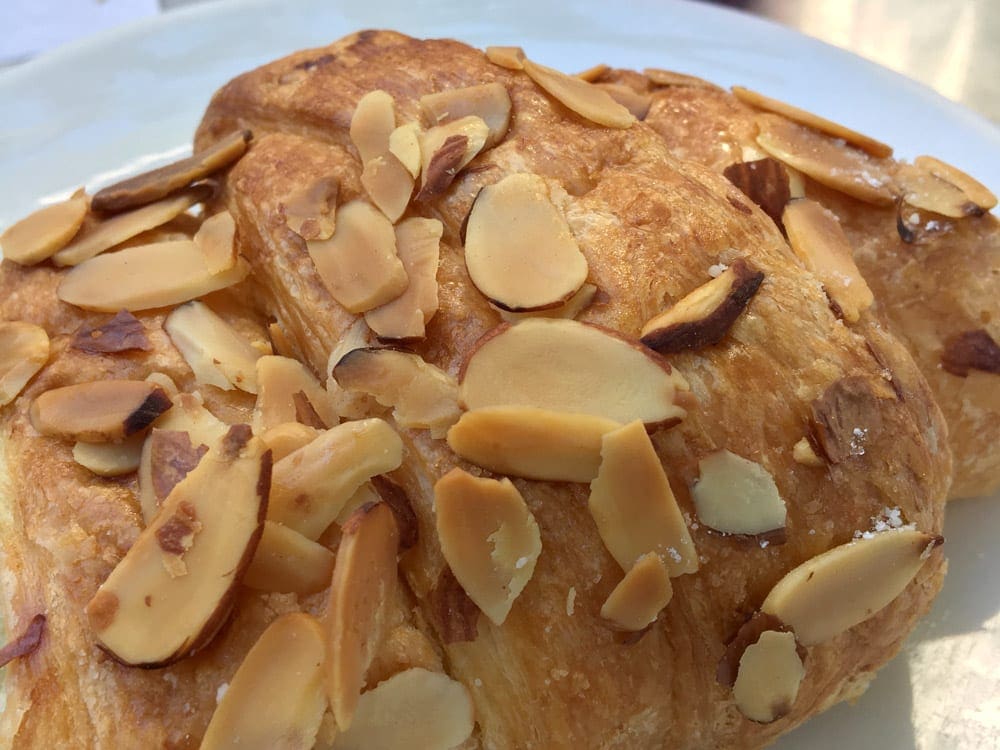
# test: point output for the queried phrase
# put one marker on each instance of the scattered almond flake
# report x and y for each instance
(221, 692)
(715, 271)
(570, 602)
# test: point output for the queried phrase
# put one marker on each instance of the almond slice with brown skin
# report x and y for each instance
(769, 676)
(524, 441)
(820, 243)
(284, 672)
(636, 601)
(404, 144)
(46, 231)
(488, 101)
(217, 354)
(660, 77)
(803, 453)
(568, 309)
(814, 121)
(511, 58)
(589, 370)
(285, 561)
(445, 150)
(288, 437)
(922, 189)
(346, 404)
(144, 277)
(176, 585)
(311, 485)
(633, 506)
(26, 643)
(361, 597)
(489, 538)
(112, 231)
(971, 350)
(422, 395)
(158, 183)
(418, 245)
(358, 264)
(844, 586)
(977, 193)
(827, 160)
(703, 317)
(636, 103)
(593, 73)
(586, 99)
(519, 249)
(24, 350)
(416, 708)
(216, 238)
(736, 496)
(121, 333)
(388, 182)
(101, 411)
(110, 459)
(764, 181)
(279, 379)
(310, 211)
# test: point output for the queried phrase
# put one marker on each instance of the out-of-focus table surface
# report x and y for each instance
(953, 46)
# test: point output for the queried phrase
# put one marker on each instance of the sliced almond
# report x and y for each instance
(594, 73)
(121, 333)
(418, 244)
(922, 189)
(173, 456)
(814, 121)
(827, 160)
(346, 404)
(279, 379)
(358, 264)
(703, 317)
(764, 181)
(285, 561)
(404, 144)
(633, 506)
(820, 243)
(101, 411)
(769, 676)
(588, 370)
(216, 238)
(971, 350)
(24, 350)
(311, 485)
(511, 58)
(446, 149)
(803, 453)
(737, 496)
(165, 382)
(287, 438)
(388, 182)
(525, 441)
(844, 417)
(584, 98)
(636, 103)
(46, 231)
(413, 709)
(519, 249)
(366, 494)
(176, 585)
(108, 233)
(488, 101)
(310, 212)
(110, 459)
(661, 77)
(283, 671)
(361, 598)
(636, 601)
(158, 183)
(422, 395)
(568, 309)
(373, 121)
(978, 194)
(144, 277)
(215, 351)
(489, 538)
(26, 643)
(844, 586)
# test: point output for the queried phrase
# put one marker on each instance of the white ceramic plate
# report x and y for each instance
(97, 110)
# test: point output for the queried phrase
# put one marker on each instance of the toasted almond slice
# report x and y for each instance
(107, 233)
(768, 680)
(703, 317)
(144, 277)
(176, 585)
(834, 591)
(489, 538)
(214, 350)
(977, 193)
(814, 121)
(819, 241)
(365, 495)
(311, 485)
(519, 249)
(372, 123)
(511, 58)
(361, 597)
(283, 671)
(594, 73)
(589, 370)
(766, 182)
(310, 211)
(121, 333)
(358, 264)
(418, 244)
(525, 441)
(216, 238)
(350, 405)
(173, 456)
(404, 144)
(285, 561)
(388, 182)
(489, 101)
(446, 149)
(636, 103)
(586, 99)
(287, 438)
(638, 598)
(826, 160)
(413, 709)
(803, 453)
(422, 395)
(101, 411)
(634, 507)
(110, 459)
(971, 350)
(662, 77)
(24, 350)
(278, 380)
(737, 496)
(158, 183)
(46, 231)
(26, 643)
(568, 309)
(922, 189)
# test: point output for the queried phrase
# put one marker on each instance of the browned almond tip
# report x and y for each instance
(26, 643)
(101, 411)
